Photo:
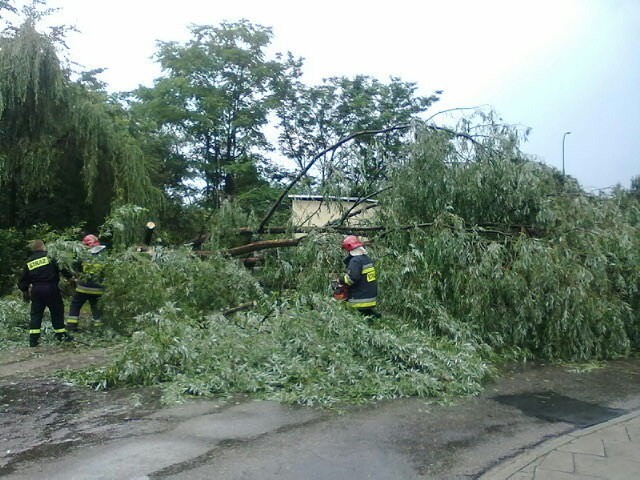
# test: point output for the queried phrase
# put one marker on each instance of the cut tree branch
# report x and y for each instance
(292, 242)
(352, 213)
(455, 134)
(306, 169)
(242, 306)
(485, 227)
(478, 107)
(255, 246)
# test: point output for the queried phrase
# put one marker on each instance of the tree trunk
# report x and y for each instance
(252, 247)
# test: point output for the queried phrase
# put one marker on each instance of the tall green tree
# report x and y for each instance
(31, 91)
(66, 154)
(314, 118)
(214, 99)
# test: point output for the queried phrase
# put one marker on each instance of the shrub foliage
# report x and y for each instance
(516, 255)
(308, 350)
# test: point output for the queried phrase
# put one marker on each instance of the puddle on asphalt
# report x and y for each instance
(554, 407)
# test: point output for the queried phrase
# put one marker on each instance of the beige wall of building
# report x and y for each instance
(311, 212)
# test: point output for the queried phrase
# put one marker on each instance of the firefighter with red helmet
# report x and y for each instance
(88, 287)
(360, 277)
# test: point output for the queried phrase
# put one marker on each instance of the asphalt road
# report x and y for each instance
(79, 434)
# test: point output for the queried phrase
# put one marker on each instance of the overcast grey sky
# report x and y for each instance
(555, 66)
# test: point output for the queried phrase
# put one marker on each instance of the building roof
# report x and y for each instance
(329, 197)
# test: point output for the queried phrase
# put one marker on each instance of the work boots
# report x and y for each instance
(34, 339)
(64, 337)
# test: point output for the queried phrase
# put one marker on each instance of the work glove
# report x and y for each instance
(25, 296)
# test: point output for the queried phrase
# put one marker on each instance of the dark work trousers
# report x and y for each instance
(46, 296)
(78, 300)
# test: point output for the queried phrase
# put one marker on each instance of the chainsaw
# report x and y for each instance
(339, 290)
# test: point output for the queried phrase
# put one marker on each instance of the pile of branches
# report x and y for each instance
(479, 260)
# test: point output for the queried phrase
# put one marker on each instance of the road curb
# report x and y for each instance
(507, 468)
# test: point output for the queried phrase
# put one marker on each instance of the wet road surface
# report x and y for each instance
(52, 430)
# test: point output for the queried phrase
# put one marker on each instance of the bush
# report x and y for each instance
(138, 283)
(14, 321)
(13, 252)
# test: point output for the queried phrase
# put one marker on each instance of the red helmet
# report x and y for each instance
(91, 241)
(350, 242)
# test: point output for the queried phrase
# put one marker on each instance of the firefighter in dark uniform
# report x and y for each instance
(43, 275)
(360, 277)
(88, 287)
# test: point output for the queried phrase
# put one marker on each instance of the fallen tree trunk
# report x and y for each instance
(486, 227)
(292, 242)
(280, 229)
(242, 306)
(253, 247)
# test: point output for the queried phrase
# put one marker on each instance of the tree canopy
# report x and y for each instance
(66, 154)
(215, 99)
(314, 118)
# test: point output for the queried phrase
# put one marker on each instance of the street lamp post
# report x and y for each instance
(563, 137)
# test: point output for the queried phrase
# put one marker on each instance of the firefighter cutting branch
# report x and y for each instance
(89, 286)
(358, 286)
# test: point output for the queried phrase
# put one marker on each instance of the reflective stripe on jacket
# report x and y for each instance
(361, 278)
(91, 271)
(39, 270)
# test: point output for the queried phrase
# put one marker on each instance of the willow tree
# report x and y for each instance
(65, 152)
(31, 99)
